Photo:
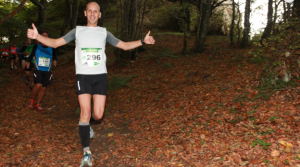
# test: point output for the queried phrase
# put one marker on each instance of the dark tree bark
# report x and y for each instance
(284, 13)
(68, 17)
(275, 13)
(129, 27)
(103, 6)
(125, 18)
(232, 22)
(75, 7)
(246, 24)
(42, 5)
(238, 23)
(296, 8)
(268, 29)
(288, 13)
(204, 8)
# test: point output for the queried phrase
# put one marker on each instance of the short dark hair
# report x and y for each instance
(44, 31)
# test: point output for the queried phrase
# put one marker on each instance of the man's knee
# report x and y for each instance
(85, 113)
(97, 116)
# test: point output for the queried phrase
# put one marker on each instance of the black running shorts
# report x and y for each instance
(91, 84)
(42, 77)
(13, 57)
(30, 67)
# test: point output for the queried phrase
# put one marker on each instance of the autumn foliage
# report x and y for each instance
(195, 110)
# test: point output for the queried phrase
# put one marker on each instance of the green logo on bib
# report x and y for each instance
(95, 63)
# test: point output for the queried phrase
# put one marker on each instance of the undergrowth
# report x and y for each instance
(117, 82)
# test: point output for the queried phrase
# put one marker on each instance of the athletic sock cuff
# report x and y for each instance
(86, 149)
(84, 123)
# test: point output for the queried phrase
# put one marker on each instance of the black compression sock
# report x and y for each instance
(84, 131)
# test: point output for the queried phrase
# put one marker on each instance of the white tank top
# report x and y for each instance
(90, 55)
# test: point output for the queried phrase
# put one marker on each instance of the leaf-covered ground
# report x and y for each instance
(198, 110)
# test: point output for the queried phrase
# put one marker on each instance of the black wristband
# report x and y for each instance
(143, 42)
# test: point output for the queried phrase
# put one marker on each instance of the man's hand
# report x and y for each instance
(27, 65)
(32, 33)
(55, 63)
(149, 39)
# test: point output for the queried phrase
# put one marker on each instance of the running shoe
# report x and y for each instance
(11, 68)
(86, 160)
(31, 103)
(92, 133)
(38, 107)
(16, 67)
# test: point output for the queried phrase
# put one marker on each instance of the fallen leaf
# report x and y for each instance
(275, 153)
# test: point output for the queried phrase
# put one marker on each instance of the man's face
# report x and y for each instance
(28, 41)
(92, 13)
(14, 45)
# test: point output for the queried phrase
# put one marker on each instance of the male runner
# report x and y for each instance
(4, 53)
(42, 71)
(13, 56)
(91, 72)
(23, 57)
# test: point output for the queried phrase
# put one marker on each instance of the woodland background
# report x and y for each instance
(206, 94)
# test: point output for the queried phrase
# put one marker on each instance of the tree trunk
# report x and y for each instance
(129, 27)
(268, 28)
(125, 18)
(246, 24)
(296, 8)
(275, 14)
(103, 6)
(232, 22)
(238, 23)
(204, 8)
(68, 17)
(142, 22)
(75, 7)
(284, 13)
(42, 5)
(288, 13)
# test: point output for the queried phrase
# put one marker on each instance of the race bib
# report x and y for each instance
(44, 61)
(13, 50)
(5, 53)
(91, 56)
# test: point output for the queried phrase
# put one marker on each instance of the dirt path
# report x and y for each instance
(198, 110)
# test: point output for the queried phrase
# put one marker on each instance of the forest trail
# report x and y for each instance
(197, 110)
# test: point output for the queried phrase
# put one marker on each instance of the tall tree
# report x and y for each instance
(103, 6)
(268, 29)
(275, 12)
(238, 23)
(289, 11)
(42, 5)
(232, 22)
(296, 8)
(75, 7)
(204, 7)
(128, 27)
(246, 24)
(68, 17)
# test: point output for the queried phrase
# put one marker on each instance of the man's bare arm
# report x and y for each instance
(134, 44)
(53, 43)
